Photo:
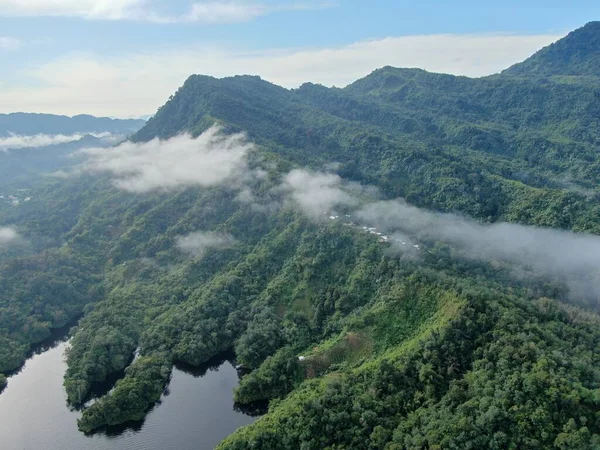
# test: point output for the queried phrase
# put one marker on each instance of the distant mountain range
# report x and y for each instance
(32, 124)
(31, 144)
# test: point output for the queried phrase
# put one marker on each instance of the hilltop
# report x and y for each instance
(578, 54)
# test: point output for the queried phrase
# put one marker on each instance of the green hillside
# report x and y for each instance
(578, 54)
(353, 343)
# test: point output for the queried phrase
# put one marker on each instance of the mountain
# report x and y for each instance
(578, 54)
(33, 144)
(24, 166)
(408, 262)
(31, 124)
(467, 142)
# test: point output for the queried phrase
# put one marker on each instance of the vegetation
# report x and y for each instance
(354, 346)
(275, 378)
(141, 386)
(576, 55)
(480, 379)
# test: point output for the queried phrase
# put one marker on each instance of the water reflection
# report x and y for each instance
(212, 364)
(118, 430)
(254, 409)
(101, 388)
(57, 336)
(197, 414)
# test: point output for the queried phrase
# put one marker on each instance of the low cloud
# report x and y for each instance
(211, 159)
(8, 236)
(573, 258)
(316, 192)
(332, 166)
(138, 83)
(268, 202)
(208, 12)
(16, 141)
(555, 255)
(246, 196)
(196, 244)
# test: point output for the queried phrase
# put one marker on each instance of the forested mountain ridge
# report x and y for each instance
(577, 54)
(410, 338)
(478, 142)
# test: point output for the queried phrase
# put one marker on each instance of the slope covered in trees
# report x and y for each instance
(577, 55)
(495, 148)
(356, 339)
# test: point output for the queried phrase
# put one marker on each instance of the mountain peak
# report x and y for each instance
(576, 54)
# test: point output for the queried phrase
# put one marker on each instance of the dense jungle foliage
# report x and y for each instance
(352, 345)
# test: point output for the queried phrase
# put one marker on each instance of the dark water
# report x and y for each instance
(197, 411)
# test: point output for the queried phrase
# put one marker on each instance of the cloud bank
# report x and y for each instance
(554, 255)
(196, 244)
(16, 141)
(208, 12)
(209, 160)
(527, 251)
(8, 236)
(139, 83)
(573, 258)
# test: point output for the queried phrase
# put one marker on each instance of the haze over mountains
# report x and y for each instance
(31, 144)
(408, 262)
(29, 124)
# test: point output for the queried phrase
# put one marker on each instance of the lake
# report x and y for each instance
(196, 412)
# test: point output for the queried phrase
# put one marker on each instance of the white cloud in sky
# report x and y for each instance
(208, 12)
(237, 11)
(139, 83)
(89, 9)
(9, 43)
(209, 160)
(223, 12)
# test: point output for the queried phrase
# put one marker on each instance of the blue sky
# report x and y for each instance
(125, 57)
